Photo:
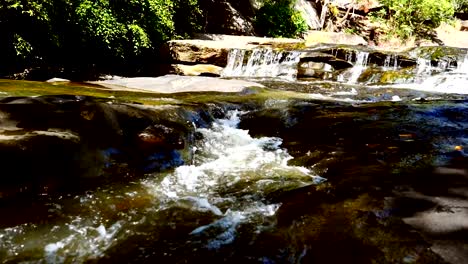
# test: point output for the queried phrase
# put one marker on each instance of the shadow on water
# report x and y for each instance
(407, 159)
(396, 186)
(385, 165)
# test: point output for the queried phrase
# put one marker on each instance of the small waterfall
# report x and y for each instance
(462, 66)
(360, 64)
(423, 66)
(391, 62)
(262, 63)
(443, 77)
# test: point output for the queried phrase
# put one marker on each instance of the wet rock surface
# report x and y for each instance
(415, 176)
(53, 144)
(295, 172)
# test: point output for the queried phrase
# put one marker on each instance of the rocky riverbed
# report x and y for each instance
(308, 152)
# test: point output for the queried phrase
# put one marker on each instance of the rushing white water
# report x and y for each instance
(462, 65)
(360, 64)
(441, 78)
(391, 62)
(262, 63)
(231, 169)
(423, 66)
(231, 173)
(77, 239)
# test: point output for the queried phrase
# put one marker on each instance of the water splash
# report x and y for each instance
(74, 241)
(441, 78)
(391, 62)
(231, 171)
(352, 75)
(462, 65)
(267, 63)
(423, 67)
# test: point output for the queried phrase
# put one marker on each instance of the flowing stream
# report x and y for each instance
(226, 185)
(347, 169)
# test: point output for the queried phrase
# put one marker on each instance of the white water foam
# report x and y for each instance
(441, 78)
(391, 62)
(352, 75)
(226, 156)
(231, 173)
(231, 170)
(84, 242)
(73, 242)
(262, 63)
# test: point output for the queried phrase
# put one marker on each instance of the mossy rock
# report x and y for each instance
(438, 54)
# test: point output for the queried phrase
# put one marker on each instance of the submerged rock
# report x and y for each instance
(52, 144)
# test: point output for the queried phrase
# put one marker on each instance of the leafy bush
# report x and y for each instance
(460, 6)
(406, 18)
(278, 18)
(88, 32)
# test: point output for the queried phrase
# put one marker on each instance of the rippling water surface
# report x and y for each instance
(346, 172)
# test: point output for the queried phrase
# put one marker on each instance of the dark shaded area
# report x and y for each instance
(369, 154)
(59, 144)
(384, 163)
(376, 150)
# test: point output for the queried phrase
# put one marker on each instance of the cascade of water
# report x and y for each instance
(391, 62)
(360, 64)
(235, 62)
(262, 63)
(423, 66)
(231, 170)
(440, 78)
(349, 57)
(462, 66)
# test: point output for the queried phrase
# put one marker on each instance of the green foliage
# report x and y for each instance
(88, 32)
(278, 18)
(460, 6)
(407, 18)
(188, 17)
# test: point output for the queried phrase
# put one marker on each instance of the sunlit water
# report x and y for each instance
(230, 176)
(360, 134)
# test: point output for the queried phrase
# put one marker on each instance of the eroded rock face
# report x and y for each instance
(228, 17)
(198, 70)
(214, 48)
(52, 144)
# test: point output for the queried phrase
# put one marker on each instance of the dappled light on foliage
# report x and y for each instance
(278, 18)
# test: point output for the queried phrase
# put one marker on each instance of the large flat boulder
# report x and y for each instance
(316, 37)
(60, 143)
(214, 48)
(188, 70)
(177, 84)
